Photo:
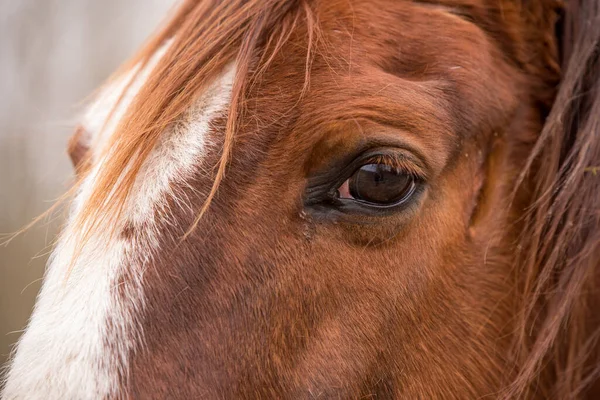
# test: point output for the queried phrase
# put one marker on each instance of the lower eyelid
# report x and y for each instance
(347, 209)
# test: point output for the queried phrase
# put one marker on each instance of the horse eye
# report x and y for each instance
(378, 185)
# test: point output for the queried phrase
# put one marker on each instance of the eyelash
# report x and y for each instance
(395, 161)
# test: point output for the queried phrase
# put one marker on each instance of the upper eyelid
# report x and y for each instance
(399, 162)
(396, 155)
(345, 143)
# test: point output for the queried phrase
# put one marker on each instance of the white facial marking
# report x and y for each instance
(84, 326)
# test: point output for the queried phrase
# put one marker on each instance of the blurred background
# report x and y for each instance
(53, 54)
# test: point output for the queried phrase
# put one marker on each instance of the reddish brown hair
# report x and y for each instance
(559, 247)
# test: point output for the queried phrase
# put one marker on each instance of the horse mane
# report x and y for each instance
(559, 248)
(560, 242)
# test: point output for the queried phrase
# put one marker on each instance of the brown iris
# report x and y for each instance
(378, 184)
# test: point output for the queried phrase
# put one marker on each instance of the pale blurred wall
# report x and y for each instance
(53, 53)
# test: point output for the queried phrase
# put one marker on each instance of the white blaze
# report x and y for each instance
(81, 331)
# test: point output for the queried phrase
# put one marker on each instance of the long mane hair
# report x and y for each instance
(559, 248)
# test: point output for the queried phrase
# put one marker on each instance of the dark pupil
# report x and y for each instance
(380, 184)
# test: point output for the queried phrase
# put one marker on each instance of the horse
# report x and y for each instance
(333, 199)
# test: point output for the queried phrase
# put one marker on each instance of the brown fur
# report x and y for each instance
(484, 287)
